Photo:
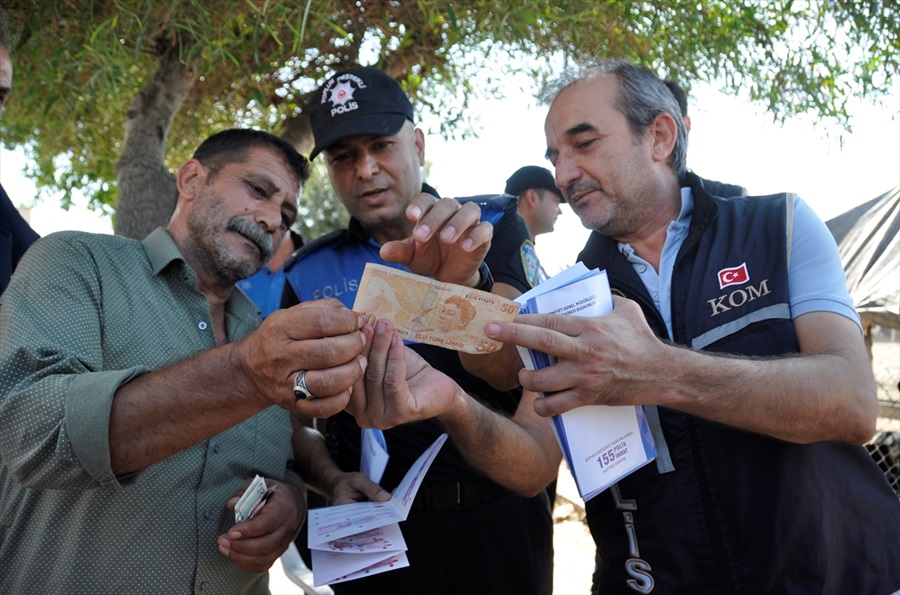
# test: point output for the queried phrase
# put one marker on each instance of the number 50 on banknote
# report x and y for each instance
(431, 312)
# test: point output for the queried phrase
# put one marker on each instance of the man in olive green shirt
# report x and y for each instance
(136, 396)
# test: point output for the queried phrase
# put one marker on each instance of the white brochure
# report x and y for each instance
(363, 538)
(601, 444)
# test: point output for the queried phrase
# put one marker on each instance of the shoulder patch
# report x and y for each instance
(530, 263)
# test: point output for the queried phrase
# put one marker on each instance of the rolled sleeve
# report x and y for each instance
(86, 423)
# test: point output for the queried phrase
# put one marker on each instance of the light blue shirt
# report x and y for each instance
(815, 275)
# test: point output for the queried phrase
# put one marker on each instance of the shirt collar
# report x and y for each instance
(687, 203)
(161, 249)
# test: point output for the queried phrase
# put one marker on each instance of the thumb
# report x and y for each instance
(398, 251)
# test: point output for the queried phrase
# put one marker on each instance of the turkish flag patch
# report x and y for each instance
(733, 276)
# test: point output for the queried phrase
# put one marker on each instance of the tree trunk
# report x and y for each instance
(146, 188)
(297, 130)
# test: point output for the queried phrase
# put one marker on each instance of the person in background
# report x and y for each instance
(266, 285)
(715, 188)
(539, 198)
(538, 205)
(15, 233)
(137, 393)
(466, 533)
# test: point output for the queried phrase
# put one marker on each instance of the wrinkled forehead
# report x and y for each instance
(586, 107)
(593, 96)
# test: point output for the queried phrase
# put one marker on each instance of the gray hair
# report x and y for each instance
(642, 97)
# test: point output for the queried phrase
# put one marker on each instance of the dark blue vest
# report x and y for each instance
(333, 265)
(741, 512)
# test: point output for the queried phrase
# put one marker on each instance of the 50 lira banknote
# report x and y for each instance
(431, 312)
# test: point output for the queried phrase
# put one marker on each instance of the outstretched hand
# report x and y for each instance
(399, 386)
(448, 242)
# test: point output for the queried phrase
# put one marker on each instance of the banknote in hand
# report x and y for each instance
(252, 500)
(431, 312)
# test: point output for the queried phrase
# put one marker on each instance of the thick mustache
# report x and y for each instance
(255, 234)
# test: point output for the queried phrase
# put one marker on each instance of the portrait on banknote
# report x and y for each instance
(428, 311)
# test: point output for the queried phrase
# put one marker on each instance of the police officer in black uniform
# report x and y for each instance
(465, 533)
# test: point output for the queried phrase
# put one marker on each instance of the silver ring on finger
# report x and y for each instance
(301, 391)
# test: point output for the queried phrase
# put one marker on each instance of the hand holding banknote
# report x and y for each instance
(255, 543)
(252, 500)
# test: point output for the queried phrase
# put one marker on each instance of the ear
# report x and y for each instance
(420, 145)
(663, 132)
(530, 197)
(190, 178)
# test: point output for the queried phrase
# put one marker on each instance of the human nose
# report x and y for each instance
(366, 166)
(269, 216)
(566, 173)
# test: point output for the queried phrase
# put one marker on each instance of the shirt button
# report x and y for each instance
(642, 268)
(655, 297)
(202, 326)
(216, 449)
(203, 586)
(207, 514)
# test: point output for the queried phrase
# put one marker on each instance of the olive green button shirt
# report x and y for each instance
(84, 314)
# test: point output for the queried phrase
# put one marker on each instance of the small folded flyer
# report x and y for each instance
(350, 541)
(601, 444)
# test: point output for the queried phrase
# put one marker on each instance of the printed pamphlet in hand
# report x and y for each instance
(350, 541)
(601, 444)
